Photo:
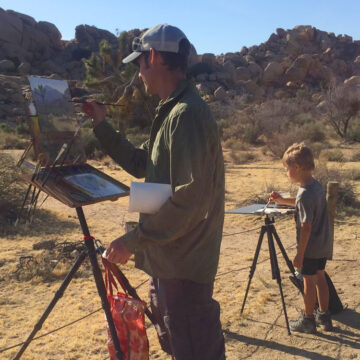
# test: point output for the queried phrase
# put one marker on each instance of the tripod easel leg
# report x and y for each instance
(288, 261)
(276, 270)
(253, 265)
(89, 242)
(59, 293)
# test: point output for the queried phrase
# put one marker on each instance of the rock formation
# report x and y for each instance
(299, 58)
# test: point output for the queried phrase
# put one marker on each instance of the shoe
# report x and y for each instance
(305, 324)
(323, 320)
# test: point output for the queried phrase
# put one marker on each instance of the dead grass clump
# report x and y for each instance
(355, 156)
(50, 263)
(241, 157)
(12, 141)
(346, 194)
(335, 155)
(12, 190)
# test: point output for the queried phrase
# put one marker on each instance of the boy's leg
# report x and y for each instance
(322, 315)
(309, 294)
(322, 290)
(306, 321)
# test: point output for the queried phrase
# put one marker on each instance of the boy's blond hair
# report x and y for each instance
(300, 155)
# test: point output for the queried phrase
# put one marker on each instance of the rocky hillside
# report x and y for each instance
(303, 58)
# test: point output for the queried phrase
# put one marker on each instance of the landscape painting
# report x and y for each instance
(53, 102)
(57, 121)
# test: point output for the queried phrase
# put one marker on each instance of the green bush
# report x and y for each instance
(5, 128)
(312, 132)
(22, 129)
(91, 144)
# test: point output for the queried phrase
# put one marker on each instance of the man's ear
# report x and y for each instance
(155, 57)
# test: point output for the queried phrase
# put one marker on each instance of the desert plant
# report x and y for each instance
(340, 107)
(355, 156)
(91, 144)
(333, 155)
(12, 141)
(5, 128)
(12, 189)
(241, 157)
(346, 193)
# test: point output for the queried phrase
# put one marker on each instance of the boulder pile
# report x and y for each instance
(300, 59)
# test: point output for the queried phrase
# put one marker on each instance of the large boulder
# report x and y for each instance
(88, 37)
(242, 73)
(299, 68)
(6, 66)
(52, 32)
(209, 59)
(352, 81)
(273, 73)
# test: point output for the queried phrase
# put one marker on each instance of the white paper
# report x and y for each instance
(147, 198)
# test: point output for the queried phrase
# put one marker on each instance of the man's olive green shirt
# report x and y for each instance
(182, 240)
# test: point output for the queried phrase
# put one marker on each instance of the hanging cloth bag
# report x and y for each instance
(128, 316)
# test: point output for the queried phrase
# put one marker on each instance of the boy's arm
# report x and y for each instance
(305, 231)
(277, 198)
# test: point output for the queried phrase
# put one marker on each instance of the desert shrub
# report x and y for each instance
(241, 157)
(22, 129)
(312, 132)
(5, 128)
(137, 136)
(346, 193)
(12, 189)
(333, 155)
(91, 144)
(317, 148)
(352, 174)
(278, 143)
(355, 156)
(12, 141)
(353, 133)
(234, 144)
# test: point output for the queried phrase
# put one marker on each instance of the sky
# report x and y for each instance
(215, 26)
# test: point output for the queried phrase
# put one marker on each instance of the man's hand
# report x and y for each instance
(95, 111)
(298, 261)
(117, 252)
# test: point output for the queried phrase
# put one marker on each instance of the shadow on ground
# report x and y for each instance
(286, 349)
(45, 223)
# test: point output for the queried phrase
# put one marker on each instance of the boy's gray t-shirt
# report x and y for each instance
(311, 207)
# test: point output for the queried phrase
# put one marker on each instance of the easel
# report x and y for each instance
(269, 229)
(91, 252)
(54, 183)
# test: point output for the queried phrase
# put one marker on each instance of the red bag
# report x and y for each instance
(129, 319)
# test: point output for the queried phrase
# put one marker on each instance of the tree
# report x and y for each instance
(119, 83)
(340, 107)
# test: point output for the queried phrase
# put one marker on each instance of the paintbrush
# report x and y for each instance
(267, 204)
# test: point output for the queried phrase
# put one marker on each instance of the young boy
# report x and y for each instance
(313, 237)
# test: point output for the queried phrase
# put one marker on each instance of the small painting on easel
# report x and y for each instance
(55, 122)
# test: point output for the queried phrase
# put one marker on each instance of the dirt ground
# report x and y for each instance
(260, 333)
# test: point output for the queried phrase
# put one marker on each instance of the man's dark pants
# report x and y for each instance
(187, 319)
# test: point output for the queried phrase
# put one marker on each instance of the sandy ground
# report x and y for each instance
(259, 334)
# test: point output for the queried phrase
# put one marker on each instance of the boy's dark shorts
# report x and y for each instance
(311, 266)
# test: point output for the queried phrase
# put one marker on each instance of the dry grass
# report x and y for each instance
(259, 333)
